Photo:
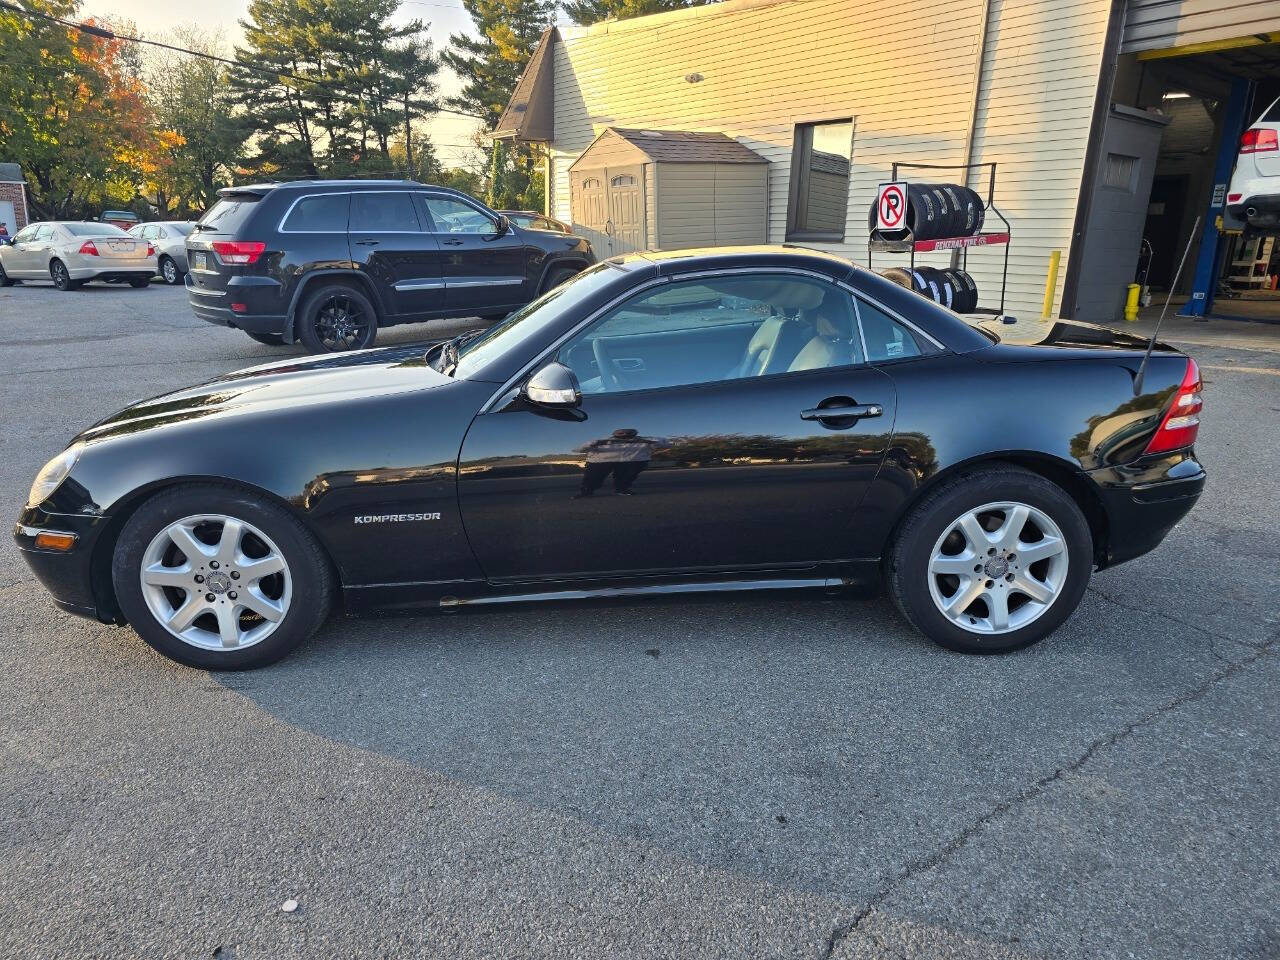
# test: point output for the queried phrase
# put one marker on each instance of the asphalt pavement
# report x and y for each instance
(758, 776)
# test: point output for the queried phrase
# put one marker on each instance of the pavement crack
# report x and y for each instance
(842, 932)
(1213, 637)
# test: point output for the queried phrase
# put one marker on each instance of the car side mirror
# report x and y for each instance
(553, 386)
(504, 225)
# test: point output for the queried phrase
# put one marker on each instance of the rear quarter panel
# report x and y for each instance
(1078, 413)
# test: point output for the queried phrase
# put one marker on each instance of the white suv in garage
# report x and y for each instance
(1254, 194)
(71, 253)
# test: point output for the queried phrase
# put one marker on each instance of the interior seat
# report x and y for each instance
(777, 341)
(832, 344)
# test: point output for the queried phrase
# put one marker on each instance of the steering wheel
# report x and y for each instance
(608, 369)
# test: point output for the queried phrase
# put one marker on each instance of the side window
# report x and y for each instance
(454, 216)
(25, 234)
(887, 339)
(713, 329)
(381, 212)
(321, 213)
(45, 233)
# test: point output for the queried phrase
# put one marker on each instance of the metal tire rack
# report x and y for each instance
(909, 244)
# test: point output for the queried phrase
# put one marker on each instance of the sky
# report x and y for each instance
(449, 133)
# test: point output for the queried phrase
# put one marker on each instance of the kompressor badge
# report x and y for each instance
(396, 517)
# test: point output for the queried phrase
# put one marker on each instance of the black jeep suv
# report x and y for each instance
(327, 262)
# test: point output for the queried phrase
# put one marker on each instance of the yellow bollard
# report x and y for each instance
(1131, 303)
(1051, 284)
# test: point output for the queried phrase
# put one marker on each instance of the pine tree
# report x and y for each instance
(490, 66)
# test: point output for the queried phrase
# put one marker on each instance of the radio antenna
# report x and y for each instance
(1142, 368)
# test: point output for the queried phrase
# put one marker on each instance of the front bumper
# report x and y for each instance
(69, 575)
(1144, 501)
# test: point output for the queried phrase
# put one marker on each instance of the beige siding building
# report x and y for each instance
(846, 89)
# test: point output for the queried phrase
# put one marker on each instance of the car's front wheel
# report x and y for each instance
(62, 277)
(219, 578)
(169, 271)
(337, 317)
(991, 561)
(5, 279)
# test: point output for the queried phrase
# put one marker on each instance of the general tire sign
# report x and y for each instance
(891, 206)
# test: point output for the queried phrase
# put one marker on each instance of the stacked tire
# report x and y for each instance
(954, 289)
(936, 211)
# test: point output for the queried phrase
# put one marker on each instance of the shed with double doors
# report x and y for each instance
(638, 189)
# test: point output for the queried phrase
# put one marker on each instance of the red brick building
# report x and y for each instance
(13, 198)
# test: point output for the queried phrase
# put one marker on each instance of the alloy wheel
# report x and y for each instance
(61, 279)
(170, 271)
(216, 582)
(998, 567)
(342, 324)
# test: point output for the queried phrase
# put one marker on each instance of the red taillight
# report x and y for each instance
(239, 308)
(238, 251)
(89, 249)
(1259, 140)
(1234, 197)
(1181, 421)
(151, 250)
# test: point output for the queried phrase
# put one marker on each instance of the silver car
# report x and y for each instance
(71, 253)
(169, 238)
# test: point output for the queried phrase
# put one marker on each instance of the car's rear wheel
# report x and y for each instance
(337, 317)
(270, 339)
(219, 578)
(991, 561)
(169, 271)
(62, 277)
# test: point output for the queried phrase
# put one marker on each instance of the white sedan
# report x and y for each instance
(71, 253)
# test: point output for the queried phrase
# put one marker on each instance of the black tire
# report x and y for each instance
(907, 570)
(309, 568)
(61, 278)
(270, 339)
(140, 283)
(169, 270)
(558, 276)
(320, 319)
(5, 279)
(899, 276)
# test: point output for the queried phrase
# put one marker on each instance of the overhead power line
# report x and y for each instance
(94, 30)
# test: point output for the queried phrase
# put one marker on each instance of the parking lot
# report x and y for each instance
(764, 776)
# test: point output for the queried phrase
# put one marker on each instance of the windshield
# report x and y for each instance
(529, 321)
(94, 230)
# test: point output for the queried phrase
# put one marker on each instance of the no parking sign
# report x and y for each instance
(891, 206)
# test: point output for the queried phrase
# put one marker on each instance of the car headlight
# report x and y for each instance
(52, 474)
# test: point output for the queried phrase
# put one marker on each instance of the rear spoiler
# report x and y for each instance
(257, 191)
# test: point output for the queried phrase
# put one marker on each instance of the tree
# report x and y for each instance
(586, 12)
(198, 133)
(341, 79)
(489, 67)
(72, 112)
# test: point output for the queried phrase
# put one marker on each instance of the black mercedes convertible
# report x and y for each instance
(744, 419)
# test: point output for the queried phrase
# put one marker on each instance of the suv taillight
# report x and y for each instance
(1259, 140)
(1181, 421)
(89, 249)
(239, 251)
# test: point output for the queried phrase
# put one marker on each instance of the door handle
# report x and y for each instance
(367, 243)
(837, 413)
(452, 243)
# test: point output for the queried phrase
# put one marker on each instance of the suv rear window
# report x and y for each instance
(320, 213)
(229, 214)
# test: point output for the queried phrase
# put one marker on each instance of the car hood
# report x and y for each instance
(303, 381)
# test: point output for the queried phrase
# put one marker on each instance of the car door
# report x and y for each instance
(388, 242)
(699, 444)
(33, 253)
(17, 254)
(484, 271)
